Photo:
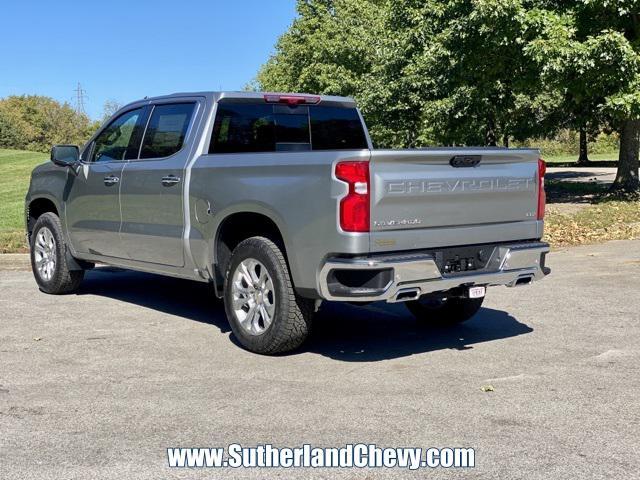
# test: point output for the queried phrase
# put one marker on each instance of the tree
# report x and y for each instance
(423, 72)
(460, 72)
(337, 47)
(110, 107)
(480, 87)
(9, 132)
(32, 122)
(589, 50)
(623, 104)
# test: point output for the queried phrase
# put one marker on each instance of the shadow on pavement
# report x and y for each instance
(575, 192)
(569, 174)
(344, 332)
(383, 331)
(185, 298)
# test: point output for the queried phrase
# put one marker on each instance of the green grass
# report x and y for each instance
(14, 181)
(572, 159)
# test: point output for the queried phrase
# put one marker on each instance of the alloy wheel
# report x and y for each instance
(253, 296)
(45, 253)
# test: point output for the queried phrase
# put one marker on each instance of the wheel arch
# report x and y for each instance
(238, 226)
(36, 207)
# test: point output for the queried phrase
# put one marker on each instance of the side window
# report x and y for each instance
(120, 140)
(166, 130)
(242, 128)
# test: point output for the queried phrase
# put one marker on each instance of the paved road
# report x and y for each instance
(97, 385)
(604, 175)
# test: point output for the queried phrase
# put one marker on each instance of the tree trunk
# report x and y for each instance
(583, 159)
(505, 141)
(490, 137)
(627, 175)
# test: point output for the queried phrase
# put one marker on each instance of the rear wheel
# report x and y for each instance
(49, 257)
(442, 312)
(265, 313)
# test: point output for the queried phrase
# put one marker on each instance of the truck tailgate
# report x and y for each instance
(427, 198)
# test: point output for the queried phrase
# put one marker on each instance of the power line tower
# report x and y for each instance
(81, 94)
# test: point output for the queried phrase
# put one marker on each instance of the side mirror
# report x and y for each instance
(65, 155)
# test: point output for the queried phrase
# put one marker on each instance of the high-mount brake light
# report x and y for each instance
(542, 196)
(292, 99)
(354, 207)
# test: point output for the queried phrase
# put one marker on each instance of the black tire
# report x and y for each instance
(291, 321)
(61, 280)
(444, 313)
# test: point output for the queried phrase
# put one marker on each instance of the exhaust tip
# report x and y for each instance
(407, 294)
(524, 281)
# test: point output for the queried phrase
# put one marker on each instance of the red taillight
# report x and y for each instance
(354, 208)
(542, 196)
(292, 99)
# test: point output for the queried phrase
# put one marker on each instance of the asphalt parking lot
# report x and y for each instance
(99, 384)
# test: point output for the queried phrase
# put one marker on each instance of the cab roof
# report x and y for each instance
(267, 97)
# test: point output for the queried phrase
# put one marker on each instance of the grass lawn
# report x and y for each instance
(600, 159)
(14, 181)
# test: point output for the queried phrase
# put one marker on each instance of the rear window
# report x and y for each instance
(336, 128)
(166, 130)
(292, 128)
(243, 128)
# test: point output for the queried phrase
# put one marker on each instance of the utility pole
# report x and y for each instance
(80, 96)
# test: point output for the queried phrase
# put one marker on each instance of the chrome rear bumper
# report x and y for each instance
(408, 276)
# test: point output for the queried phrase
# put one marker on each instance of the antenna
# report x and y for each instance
(80, 96)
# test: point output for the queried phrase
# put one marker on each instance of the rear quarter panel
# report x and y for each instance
(295, 189)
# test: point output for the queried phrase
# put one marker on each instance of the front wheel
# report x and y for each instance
(264, 311)
(444, 312)
(49, 257)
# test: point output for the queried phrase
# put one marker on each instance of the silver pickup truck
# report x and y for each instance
(280, 201)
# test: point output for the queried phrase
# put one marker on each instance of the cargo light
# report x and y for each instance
(354, 207)
(542, 196)
(292, 99)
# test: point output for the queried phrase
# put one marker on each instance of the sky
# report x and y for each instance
(126, 50)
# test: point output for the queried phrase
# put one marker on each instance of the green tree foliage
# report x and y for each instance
(479, 85)
(469, 72)
(589, 51)
(9, 132)
(32, 122)
(423, 72)
(338, 47)
(110, 107)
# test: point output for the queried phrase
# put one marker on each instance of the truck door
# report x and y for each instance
(92, 203)
(151, 191)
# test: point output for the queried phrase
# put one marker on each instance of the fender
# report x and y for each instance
(253, 207)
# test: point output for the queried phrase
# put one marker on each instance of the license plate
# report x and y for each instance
(477, 292)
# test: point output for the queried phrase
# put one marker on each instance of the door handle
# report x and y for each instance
(111, 180)
(170, 180)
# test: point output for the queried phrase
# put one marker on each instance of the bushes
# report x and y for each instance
(33, 122)
(566, 143)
